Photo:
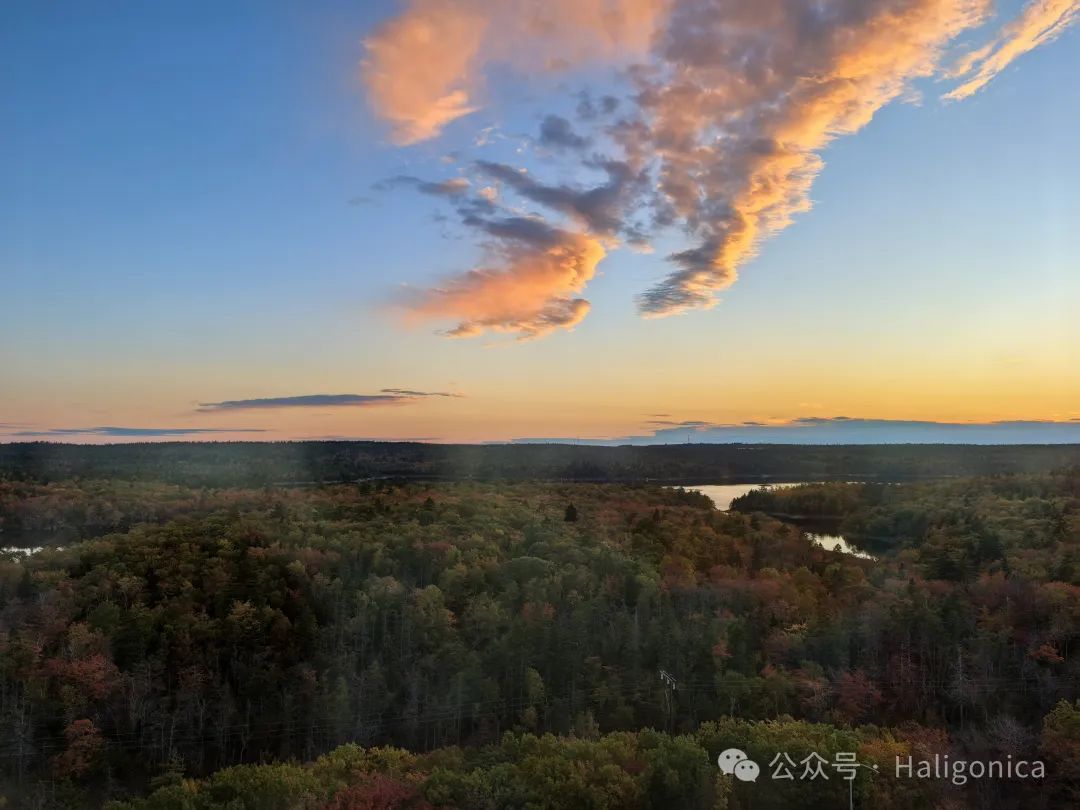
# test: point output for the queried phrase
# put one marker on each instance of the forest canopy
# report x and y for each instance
(439, 644)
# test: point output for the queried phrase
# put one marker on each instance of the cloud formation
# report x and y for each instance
(388, 396)
(589, 109)
(1041, 21)
(424, 68)
(408, 392)
(746, 96)
(558, 133)
(847, 430)
(454, 187)
(730, 106)
(688, 423)
(601, 209)
(533, 270)
(529, 288)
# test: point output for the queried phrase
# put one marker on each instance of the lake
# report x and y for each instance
(723, 494)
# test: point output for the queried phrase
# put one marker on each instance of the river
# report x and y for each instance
(723, 494)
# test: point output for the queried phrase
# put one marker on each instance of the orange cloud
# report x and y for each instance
(738, 128)
(530, 290)
(1040, 22)
(419, 66)
(423, 68)
(733, 104)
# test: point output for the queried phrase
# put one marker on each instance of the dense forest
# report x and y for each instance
(225, 464)
(392, 644)
(956, 530)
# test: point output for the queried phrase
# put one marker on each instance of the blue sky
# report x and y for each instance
(189, 217)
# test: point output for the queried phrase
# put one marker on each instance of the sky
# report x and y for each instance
(580, 220)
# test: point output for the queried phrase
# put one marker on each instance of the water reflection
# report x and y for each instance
(723, 494)
(834, 542)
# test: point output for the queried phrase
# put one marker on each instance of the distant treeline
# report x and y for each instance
(252, 463)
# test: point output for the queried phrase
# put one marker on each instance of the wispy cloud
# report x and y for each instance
(847, 430)
(129, 432)
(407, 392)
(727, 110)
(670, 423)
(603, 209)
(557, 132)
(387, 396)
(1041, 21)
(589, 109)
(452, 187)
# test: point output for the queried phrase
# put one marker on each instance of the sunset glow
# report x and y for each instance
(642, 220)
